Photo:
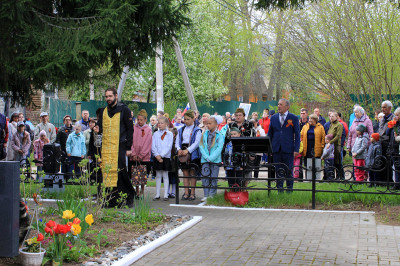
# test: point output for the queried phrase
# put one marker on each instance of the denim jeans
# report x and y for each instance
(210, 174)
(329, 170)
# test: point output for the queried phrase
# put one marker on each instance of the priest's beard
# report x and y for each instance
(111, 104)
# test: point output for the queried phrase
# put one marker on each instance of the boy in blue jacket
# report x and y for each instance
(211, 145)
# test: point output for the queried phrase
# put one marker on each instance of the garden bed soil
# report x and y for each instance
(115, 232)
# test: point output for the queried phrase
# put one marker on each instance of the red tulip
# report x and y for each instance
(51, 224)
(76, 221)
(40, 237)
(48, 230)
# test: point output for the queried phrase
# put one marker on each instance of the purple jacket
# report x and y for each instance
(352, 132)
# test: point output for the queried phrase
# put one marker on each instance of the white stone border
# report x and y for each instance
(263, 209)
(52, 200)
(143, 250)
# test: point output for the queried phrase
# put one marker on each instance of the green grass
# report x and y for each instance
(74, 191)
(302, 199)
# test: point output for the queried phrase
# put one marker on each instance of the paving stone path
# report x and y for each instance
(243, 237)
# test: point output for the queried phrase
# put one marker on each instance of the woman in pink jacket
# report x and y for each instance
(141, 151)
(361, 118)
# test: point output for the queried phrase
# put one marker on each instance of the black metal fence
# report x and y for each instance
(381, 181)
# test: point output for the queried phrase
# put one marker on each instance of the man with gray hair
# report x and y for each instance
(284, 132)
(383, 125)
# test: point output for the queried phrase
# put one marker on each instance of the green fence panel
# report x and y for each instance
(59, 108)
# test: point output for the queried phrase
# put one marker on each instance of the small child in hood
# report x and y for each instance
(374, 150)
(38, 149)
(359, 152)
(328, 156)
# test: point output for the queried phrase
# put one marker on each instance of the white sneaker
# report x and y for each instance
(204, 199)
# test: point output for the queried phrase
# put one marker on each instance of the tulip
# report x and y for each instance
(76, 221)
(67, 214)
(40, 237)
(76, 229)
(89, 219)
(51, 224)
(48, 230)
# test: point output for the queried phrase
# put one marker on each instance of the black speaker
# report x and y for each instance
(51, 158)
(9, 208)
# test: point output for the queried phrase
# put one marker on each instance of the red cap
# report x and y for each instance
(375, 136)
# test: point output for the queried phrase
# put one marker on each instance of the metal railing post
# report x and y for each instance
(314, 174)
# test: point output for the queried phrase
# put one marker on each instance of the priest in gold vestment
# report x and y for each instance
(115, 123)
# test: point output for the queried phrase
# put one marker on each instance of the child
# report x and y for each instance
(297, 161)
(161, 148)
(38, 149)
(172, 175)
(211, 145)
(374, 150)
(328, 156)
(359, 152)
(141, 152)
(76, 148)
(94, 154)
(20, 143)
(233, 172)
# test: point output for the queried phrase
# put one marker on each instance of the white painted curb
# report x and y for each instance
(53, 200)
(263, 209)
(143, 250)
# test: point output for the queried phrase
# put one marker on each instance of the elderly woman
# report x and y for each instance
(360, 118)
(203, 122)
(313, 138)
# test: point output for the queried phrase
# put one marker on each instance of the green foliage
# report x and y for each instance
(134, 107)
(47, 43)
(202, 46)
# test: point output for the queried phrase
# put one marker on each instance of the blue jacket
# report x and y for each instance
(284, 139)
(374, 150)
(214, 156)
(360, 146)
(196, 153)
(76, 145)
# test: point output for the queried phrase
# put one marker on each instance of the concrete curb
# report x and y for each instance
(143, 250)
(271, 210)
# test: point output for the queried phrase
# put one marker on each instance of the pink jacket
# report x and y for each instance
(352, 131)
(141, 145)
(16, 143)
(38, 150)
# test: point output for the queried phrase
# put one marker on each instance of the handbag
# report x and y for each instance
(138, 172)
(184, 158)
(237, 198)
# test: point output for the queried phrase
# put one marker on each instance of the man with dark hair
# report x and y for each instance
(303, 117)
(115, 124)
(61, 138)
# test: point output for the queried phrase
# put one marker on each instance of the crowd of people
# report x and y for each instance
(129, 148)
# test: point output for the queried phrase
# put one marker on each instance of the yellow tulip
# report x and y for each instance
(67, 214)
(76, 229)
(89, 219)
